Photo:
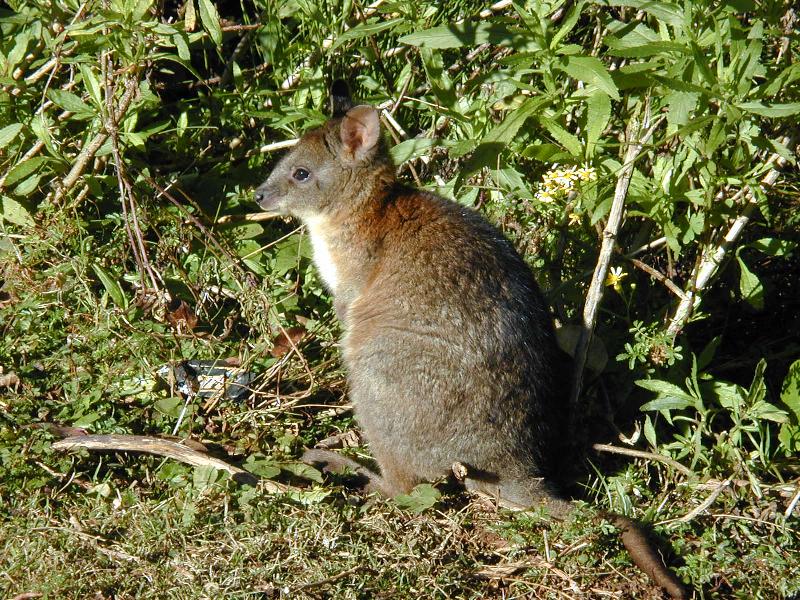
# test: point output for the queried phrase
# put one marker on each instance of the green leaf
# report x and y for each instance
(302, 470)
(410, 149)
(86, 420)
(591, 71)
(768, 412)
(650, 431)
(181, 44)
(771, 110)
(111, 286)
(666, 403)
(40, 127)
(598, 113)
(458, 35)
(643, 50)
(8, 133)
(23, 169)
(368, 29)
(707, 355)
(507, 130)
(728, 395)
(670, 396)
(17, 53)
(571, 143)
(92, 85)
(421, 498)
(750, 286)
(263, 467)
(774, 246)
(210, 18)
(681, 106)
(663, 11)
(15, 213)
(206, 476)
(782, 151)
(28, 185)
(574, 13)
(789, 438)
(494, 142)
(790, 390)
(170, 407)
(71, 102)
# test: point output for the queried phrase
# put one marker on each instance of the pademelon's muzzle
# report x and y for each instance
(267, 197)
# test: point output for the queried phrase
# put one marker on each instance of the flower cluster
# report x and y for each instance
(557, 182)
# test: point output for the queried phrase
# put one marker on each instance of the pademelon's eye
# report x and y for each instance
(300, 174)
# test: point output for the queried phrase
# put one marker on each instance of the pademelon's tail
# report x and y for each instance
(646, 558)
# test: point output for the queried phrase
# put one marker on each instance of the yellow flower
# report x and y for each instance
(574, 219)
(615, 277)
(587, 173)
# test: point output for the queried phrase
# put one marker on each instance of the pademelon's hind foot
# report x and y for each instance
(521, 494)
(392, 481)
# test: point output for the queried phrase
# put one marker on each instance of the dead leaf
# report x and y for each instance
(286, 340)
(8, 379)
(181, 316)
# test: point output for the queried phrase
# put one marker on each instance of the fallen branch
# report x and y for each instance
(713, 259)
(160, 447)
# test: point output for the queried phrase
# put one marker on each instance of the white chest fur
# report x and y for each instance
(320, 242)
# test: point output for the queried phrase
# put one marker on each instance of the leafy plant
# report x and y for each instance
(641, 147)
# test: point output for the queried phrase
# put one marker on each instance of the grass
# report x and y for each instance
(87, 320)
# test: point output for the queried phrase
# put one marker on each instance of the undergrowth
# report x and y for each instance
(132, 135)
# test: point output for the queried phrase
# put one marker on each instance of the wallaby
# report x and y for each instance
(448, 343)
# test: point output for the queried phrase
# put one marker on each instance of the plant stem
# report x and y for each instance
(713, 258)
(636, 136)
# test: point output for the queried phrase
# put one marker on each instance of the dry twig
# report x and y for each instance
(166, 448)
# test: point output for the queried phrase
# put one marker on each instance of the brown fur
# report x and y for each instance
(449, 346)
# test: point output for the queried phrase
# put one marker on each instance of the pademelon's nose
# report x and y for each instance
(266, 197)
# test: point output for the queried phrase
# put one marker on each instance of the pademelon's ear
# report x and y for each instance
(360, 131)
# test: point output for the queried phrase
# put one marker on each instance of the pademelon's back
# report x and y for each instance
(453, 339)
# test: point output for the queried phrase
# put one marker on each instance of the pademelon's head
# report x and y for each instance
(330, 168)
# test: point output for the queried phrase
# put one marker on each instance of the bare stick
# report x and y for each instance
(712, 259)
(248, 218)
(707, 502)
(126, 196)
(90, 149)
(792, 504)
(279, 145)
(327, 580)
(160, 447)
(658, 276)
(646, 455)
(636, 137)
(656, 243)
